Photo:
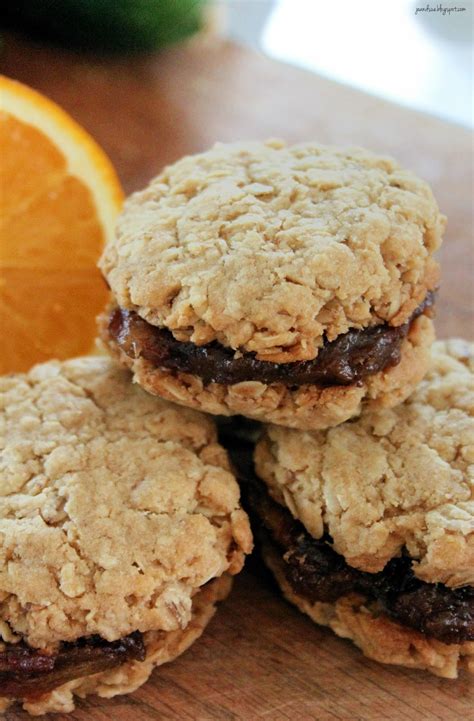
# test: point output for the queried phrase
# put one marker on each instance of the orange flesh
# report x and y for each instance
(50, 240)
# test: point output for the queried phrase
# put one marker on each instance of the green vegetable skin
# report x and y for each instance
(106, 25)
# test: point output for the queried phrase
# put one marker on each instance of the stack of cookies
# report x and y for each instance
(290, 285)
(295, 286)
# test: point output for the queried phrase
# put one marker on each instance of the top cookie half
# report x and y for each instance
(269, 248)
(116, 508)
(289, 284)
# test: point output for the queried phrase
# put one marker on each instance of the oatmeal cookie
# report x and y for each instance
(291, 275)
(381, 509)
(117, 513)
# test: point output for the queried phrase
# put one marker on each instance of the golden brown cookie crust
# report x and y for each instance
(161, 647)
(306, 408)
(378, 637)
(268, 248)
(393, 478)
(107, 489)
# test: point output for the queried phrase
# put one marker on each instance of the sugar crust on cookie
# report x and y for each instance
(393, 478)
(116, 507)
(268, 248)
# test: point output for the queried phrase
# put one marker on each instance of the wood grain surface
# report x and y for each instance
(260, 658)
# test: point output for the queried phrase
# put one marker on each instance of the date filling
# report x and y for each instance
(317, 573)
(344, 361)
(29, 673)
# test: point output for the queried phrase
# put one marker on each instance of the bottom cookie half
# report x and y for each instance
(378, 637)
(160, 647)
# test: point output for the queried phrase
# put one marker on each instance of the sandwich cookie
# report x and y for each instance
(286, 284)
(120, 529)
(369, 527)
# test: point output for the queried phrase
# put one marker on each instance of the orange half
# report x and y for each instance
(59, 199)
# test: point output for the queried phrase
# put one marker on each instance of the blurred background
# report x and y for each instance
(422, 59)
(416, 53)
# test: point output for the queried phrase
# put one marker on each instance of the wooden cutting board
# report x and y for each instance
(260, 658)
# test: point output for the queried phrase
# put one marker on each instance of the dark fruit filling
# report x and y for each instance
(28, 673)
(348, 359)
